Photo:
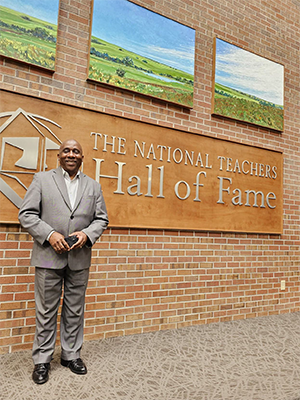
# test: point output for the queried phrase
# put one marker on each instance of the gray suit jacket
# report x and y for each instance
(46, 207)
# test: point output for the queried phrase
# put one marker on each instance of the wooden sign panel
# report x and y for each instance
(152, 177)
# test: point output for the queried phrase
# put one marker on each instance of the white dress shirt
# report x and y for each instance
(72, 186)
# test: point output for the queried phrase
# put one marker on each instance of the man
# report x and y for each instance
(60, 203)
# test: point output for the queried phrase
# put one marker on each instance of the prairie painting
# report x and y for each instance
(136, 49)
(28, 31)
(247, 87)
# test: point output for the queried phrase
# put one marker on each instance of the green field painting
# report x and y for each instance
(248, 87)
(137, 50)
(26, 38)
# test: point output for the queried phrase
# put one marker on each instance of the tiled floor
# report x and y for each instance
(255, 359)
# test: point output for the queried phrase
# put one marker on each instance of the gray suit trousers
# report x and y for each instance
(48, 291)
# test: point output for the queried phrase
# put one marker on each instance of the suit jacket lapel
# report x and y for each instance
(81, 188)
(61, 185)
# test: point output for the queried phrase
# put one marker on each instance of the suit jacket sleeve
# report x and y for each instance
(30, 211)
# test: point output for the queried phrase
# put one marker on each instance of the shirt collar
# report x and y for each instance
(67, 176)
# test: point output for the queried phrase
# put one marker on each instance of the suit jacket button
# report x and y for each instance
(72, 216)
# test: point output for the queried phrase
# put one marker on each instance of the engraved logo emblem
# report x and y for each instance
(26, 143)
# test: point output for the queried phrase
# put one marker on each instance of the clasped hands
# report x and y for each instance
(59, 244)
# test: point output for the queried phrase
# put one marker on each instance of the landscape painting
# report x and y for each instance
(136, 49)
(28, 31)
(247, 87)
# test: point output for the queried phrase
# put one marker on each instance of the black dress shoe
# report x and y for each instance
(77, 366)
(40, 373)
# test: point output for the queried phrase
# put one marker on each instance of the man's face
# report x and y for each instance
(70, 156)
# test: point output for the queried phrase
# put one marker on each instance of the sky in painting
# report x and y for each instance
(144, 32)
(46, 10)
(242, 70)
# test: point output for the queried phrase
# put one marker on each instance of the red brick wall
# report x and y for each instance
(144, 280)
